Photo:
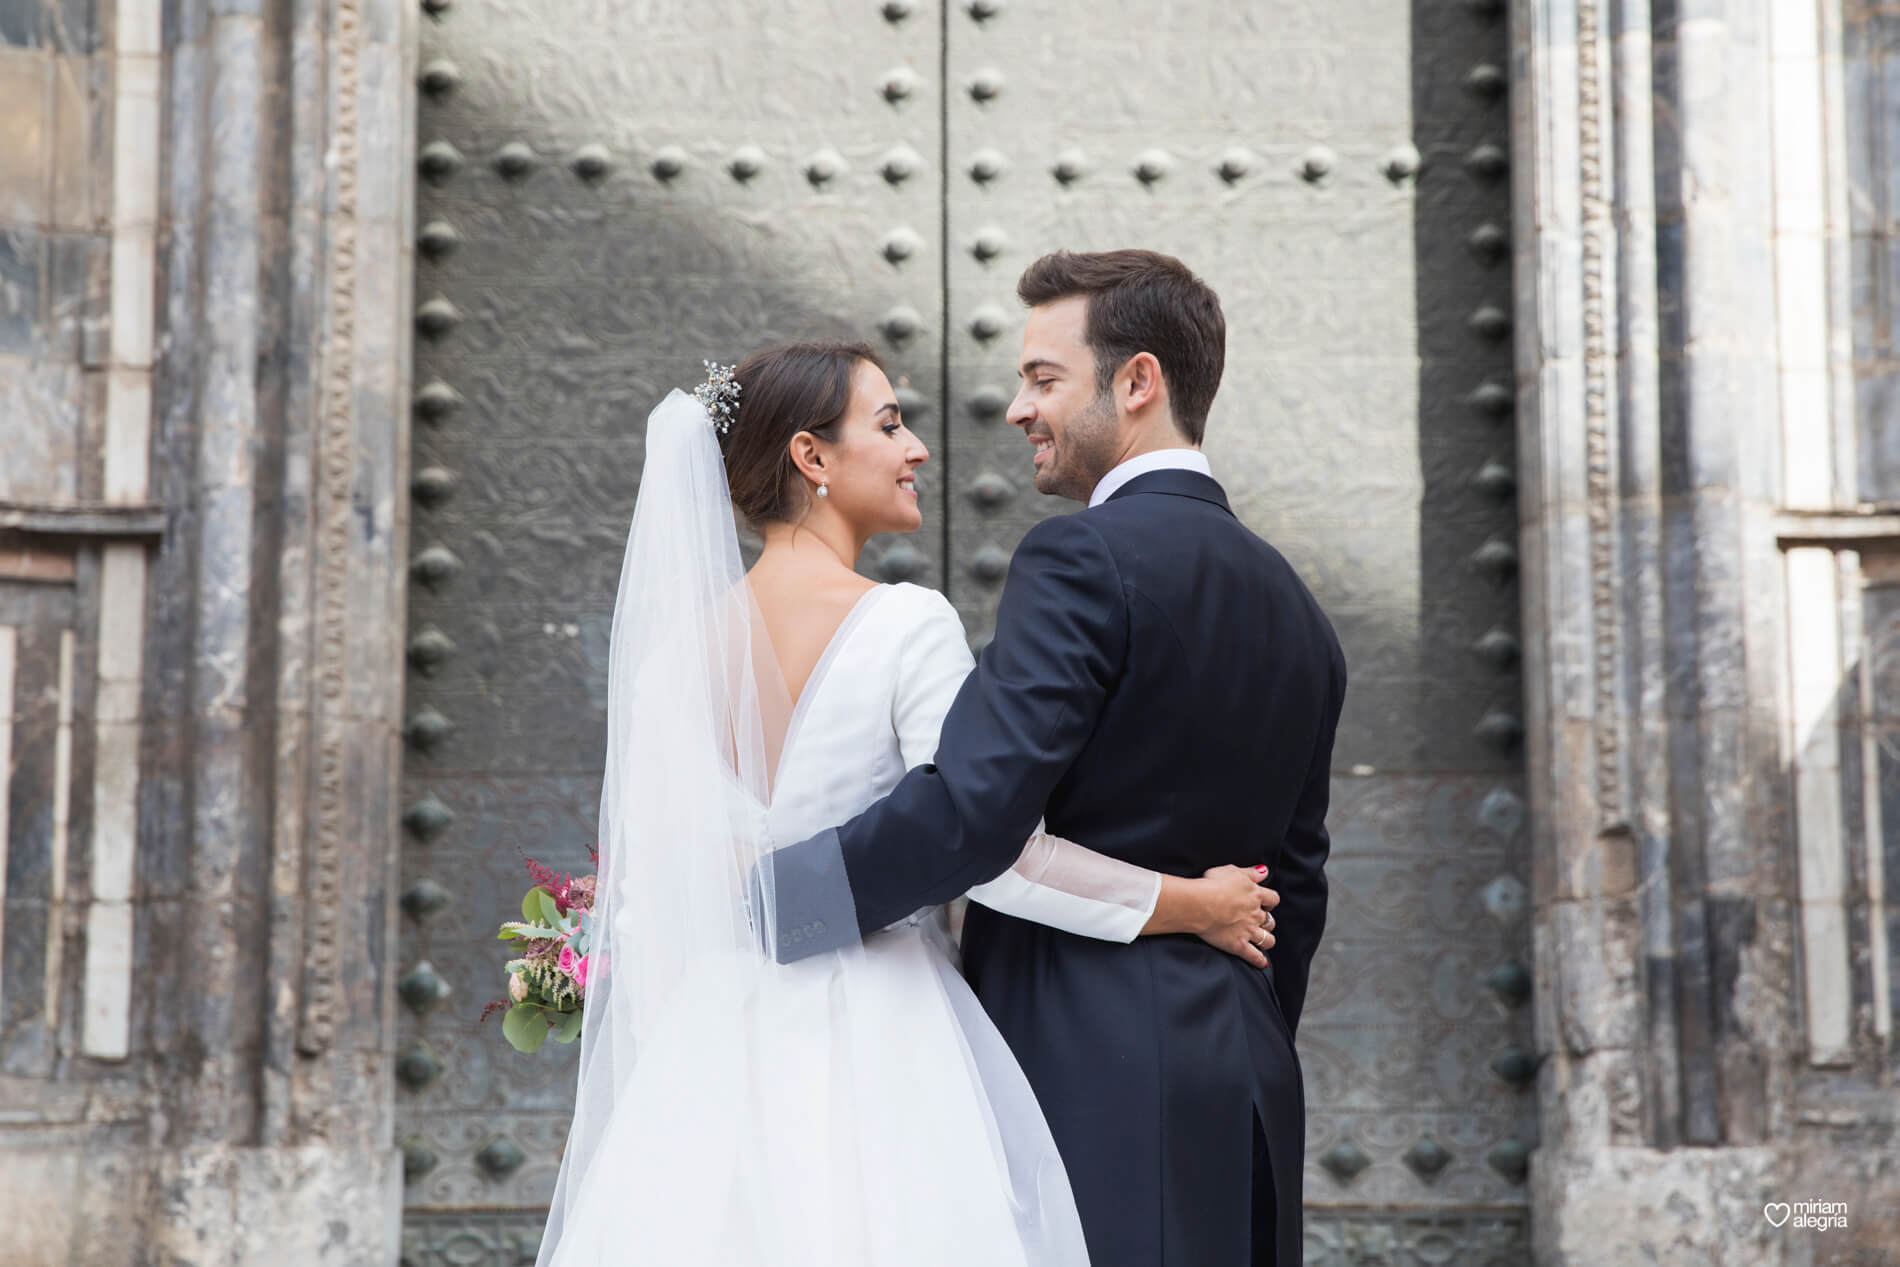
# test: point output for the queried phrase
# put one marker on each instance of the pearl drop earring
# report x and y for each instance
(824, 489)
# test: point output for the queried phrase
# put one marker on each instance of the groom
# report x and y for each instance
(1163, 688)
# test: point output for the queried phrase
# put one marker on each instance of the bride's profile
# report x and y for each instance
(856, 1107)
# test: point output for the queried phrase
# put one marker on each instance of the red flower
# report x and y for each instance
(569, 892)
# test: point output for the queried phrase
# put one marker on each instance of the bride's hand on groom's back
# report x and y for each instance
(1229, 908)
(1240, 912)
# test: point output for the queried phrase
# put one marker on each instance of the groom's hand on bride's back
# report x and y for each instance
(1229, 908)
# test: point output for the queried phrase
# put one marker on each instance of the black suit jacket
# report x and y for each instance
(1162, 688)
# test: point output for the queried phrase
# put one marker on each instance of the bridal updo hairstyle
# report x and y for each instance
(784, 390)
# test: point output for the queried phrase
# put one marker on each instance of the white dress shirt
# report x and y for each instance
(1142, 464)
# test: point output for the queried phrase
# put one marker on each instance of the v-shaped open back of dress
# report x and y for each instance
(854, 1109)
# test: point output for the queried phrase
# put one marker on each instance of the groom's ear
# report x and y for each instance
(1139, 384)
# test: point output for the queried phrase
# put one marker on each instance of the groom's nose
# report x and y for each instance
(1021, 411)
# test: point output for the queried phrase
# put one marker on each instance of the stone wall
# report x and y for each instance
(1710, 698)
(205, 254)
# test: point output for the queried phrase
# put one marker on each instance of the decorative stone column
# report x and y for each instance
(203, 1011)
(1653, 630)
(1677, 289)
(282, 442)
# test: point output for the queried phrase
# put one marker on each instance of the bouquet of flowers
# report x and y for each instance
(547, 985)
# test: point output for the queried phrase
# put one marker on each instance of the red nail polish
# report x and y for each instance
(1261, 870)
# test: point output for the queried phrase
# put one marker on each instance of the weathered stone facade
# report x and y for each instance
(206, 219)
(205, 245)
(1707, 427)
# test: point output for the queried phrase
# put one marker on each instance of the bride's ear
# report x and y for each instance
(806, 457)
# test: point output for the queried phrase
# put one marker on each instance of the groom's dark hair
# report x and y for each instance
(1142, 301)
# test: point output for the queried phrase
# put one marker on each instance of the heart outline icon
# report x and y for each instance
(1772, 1208)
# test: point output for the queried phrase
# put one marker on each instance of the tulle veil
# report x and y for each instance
(855, 1108)
(696, 711)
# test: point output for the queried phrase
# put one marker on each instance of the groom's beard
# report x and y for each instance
(1085, 452)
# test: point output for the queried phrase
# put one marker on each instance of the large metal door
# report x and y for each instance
(613, 189)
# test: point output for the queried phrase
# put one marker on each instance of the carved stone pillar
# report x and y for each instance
(277, 632)
(1665, 374)
(1648, 740)
(201, 1024)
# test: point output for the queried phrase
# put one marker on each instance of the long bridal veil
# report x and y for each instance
(695, 710)
(852, 1109)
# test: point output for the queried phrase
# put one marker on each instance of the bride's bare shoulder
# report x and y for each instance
(792, 588)
(804, 610)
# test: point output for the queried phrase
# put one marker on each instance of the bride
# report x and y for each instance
(857, 1108)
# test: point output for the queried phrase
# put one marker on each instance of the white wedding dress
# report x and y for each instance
(882, 1120)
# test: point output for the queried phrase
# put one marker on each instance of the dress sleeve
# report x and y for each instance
(1055, 881)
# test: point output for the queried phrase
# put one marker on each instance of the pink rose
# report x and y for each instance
(580, 971)
(568, 960)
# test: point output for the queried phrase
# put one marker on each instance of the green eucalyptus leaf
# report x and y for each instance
(531, 903)
(524, 1027)
(550, 913)
(569, 1028)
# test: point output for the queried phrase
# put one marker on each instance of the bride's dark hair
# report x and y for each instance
(783, 390)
